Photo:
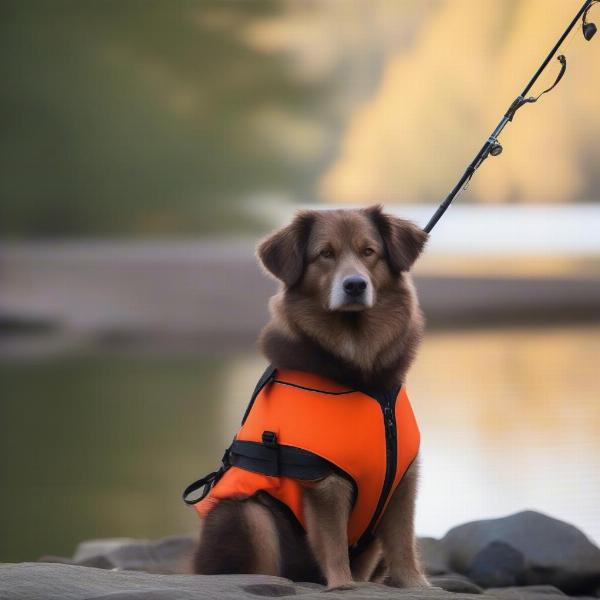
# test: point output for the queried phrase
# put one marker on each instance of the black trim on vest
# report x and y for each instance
(308, 389)
(265, 378)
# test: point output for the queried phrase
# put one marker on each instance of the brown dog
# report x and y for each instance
(347, 311)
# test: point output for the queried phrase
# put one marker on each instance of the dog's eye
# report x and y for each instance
(326, 253)
(368, 252)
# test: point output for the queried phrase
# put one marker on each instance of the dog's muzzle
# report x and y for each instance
(352, 293)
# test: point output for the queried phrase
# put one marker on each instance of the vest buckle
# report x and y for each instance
(269, 440)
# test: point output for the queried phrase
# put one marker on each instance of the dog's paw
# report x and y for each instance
(350, 585)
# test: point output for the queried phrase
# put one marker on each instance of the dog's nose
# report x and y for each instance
(354, 285)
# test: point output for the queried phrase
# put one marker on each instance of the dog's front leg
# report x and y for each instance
(397, 534)
(327, 505)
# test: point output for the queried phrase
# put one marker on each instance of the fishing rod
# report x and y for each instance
(492, 146)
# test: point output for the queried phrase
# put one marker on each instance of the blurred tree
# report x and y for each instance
(139, 116)
(168, 116)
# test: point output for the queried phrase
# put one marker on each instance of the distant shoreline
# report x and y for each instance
(189, 294)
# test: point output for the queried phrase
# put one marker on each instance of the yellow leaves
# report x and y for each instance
(439, 98)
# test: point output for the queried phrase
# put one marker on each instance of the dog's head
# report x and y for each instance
(343, 260)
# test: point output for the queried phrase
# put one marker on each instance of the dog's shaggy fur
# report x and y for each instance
(347, 310)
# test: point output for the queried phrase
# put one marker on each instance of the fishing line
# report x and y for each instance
(492, 146)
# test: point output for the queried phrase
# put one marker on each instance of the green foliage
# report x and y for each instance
(137, 116)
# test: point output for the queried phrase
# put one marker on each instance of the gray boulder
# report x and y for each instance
(40, 581)
(455, 583)
(527, 548)
(498, 564)
(168, 555)
(99, 561)
(531, 592)
(434, 556)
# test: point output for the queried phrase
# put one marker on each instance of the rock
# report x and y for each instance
(50, 558)
(41, 581)
(434, 556)
(270, 590)
(531, 592)
(99, 561)
(102, 547)
(526, 549)
(497, 564)
(455, 583)
(168, 555)
(554, 552)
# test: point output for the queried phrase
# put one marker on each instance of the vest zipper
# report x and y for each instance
(387, 402)
(391, 451)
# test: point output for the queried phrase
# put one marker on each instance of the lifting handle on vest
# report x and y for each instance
(206, 483)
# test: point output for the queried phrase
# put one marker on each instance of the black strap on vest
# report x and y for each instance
(269, 457)
(275, 460)
(206, 483)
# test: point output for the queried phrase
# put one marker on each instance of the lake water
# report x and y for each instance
(102, 446)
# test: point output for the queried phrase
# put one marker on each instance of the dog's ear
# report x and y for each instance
(403, 240)
(283, 252)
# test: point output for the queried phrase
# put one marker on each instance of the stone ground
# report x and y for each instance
(526, 556)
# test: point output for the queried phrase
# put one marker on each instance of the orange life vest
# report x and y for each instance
(300, 426)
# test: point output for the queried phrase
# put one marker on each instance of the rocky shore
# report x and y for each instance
(77, 296)
(526, 556)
